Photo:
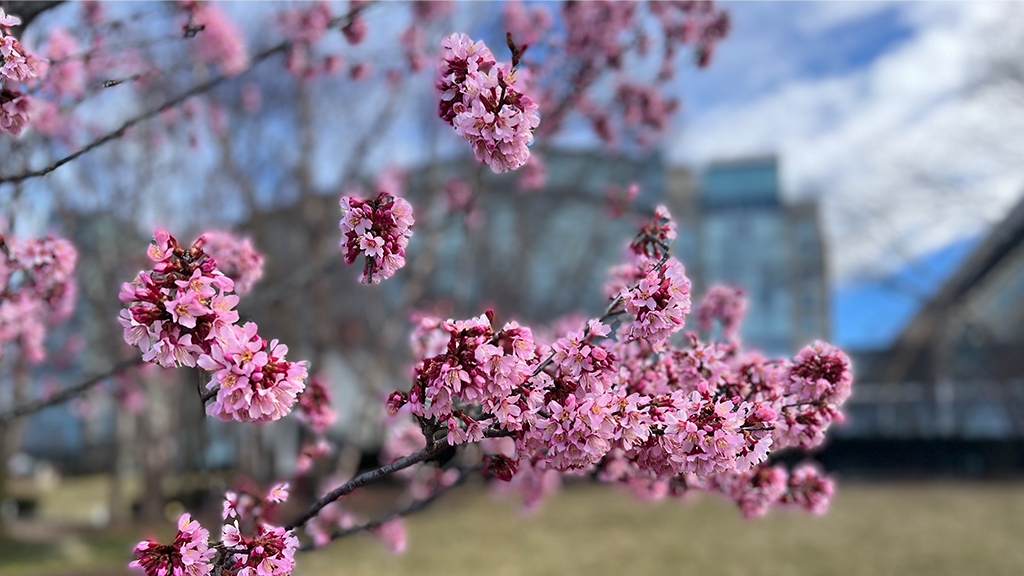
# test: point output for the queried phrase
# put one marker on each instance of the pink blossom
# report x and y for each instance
(67, 72)
(380, 230)
(278, 493)
(8, 20)
(306, 26)
(809, 489)
(315, 405)
(93, 12)
(534, 174)
(392, 535)
(15, 109)
(253, 380)
(485, 103)
(727, 304)
(303, 28)
(355, 30)
(220, 41)
(236, 258)
(189, 555)
(37, 290)
(821, 373)
(182, 313)
(659, 303)
(311, 452)
(431, 10)
(17, 63)
(527, 23)
(270, 552)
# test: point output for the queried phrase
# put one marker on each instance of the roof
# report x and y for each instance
(986, 258)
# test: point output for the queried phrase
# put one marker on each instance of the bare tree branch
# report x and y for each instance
(195, 90)
(364, 479)
(67, 393)
(411, 508)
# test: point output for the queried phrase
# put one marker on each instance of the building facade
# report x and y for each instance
(736, 229)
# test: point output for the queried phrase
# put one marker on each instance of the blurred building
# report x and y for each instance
(734, 228)
(957, 369)
(948, 395)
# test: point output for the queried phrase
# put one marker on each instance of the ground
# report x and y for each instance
(933, 528)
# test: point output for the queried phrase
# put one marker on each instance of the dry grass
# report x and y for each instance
(932, 529)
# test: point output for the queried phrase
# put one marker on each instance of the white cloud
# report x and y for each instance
(908, 152)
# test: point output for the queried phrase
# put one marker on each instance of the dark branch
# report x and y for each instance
(27, 11)
(411, 508)
(364, 479)
(66, 393)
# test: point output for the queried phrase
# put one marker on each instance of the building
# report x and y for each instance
(957, 369)
(736, 229)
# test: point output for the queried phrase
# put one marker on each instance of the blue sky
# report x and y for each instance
(871, 313)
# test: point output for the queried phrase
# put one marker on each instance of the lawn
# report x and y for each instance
(907, 529)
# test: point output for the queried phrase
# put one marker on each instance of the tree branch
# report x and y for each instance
(411, 508)
(28, 11)
(195, 90)
(67, 393)
(364, 479)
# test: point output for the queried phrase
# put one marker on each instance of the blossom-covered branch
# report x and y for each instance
(182, 313)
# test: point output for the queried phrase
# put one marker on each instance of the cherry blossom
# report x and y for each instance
(182, 313)
(485, 102)
(727, 304)
(189, 555)
(15, 110)
(219, 41)
(37, 290)
(315, 405)
(380, 230)
(236, 258)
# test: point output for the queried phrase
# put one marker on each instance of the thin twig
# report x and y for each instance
(608, 312)
(67, 393)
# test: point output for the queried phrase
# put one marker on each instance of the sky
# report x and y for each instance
(906, 120)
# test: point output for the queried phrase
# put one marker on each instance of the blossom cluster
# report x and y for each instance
(630, 405)
(189, 555)
(236, 258)
(315, 405)
(182, 313)
(304, 27)
(37, 290)
(727, 305)
(266, 551)
(17, 64)
(527, 23)
(17, 67)
(606, 41)
(378, 229)
(217, 39)
(658, 303)
(485, 102)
